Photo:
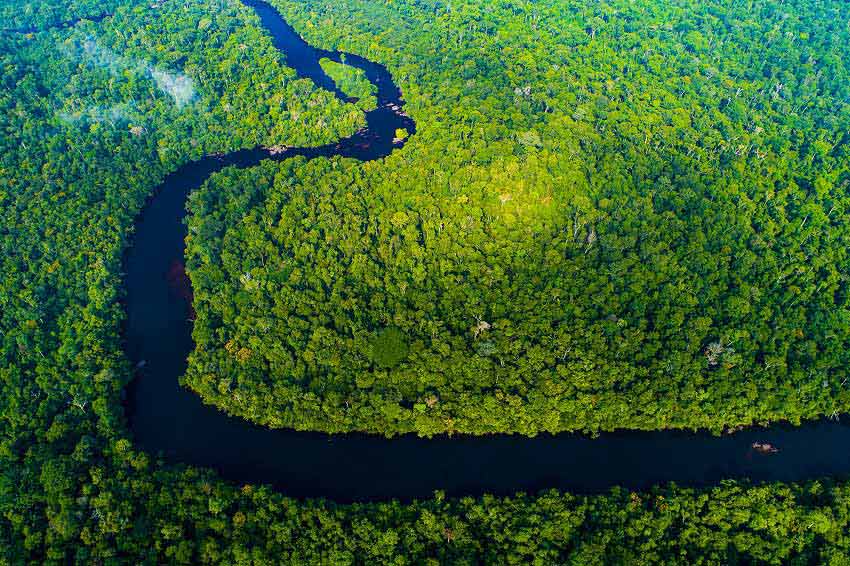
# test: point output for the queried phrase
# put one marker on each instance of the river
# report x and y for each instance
(168, 420)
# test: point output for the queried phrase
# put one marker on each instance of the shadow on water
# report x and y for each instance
(172, 421)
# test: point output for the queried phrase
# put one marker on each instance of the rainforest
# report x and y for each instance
(234, 234)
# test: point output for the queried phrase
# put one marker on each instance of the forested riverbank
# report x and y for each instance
(139, 516)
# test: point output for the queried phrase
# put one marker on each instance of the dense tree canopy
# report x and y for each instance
(612, 215)
(627, 216)
(352, 82)
(134, 516)
(40, 15)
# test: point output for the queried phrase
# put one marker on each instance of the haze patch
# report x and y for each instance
(179, 86)
(115, 114)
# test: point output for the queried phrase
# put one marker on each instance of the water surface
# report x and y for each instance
(169, 420)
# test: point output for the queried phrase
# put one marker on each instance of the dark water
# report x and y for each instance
(169, 420)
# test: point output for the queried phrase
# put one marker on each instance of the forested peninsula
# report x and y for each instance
(629, 217)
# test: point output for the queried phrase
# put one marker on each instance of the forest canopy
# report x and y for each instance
(627, 216)
(33, 15)
(353, 82)
(611, 215)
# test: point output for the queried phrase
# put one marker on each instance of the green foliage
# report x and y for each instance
(618, 217)
(353, 82)
(389, 347)
(155, 517)
(39, 15)
(621, 214)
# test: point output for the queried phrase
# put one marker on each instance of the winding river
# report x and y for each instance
(171, 421)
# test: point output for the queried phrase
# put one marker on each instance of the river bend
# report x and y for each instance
(171, 421)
